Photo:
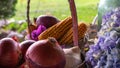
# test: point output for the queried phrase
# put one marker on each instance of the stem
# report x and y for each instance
(75, 21)
(28, 18)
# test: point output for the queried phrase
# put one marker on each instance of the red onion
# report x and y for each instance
(46, 20)
(24, 46)
(24, 65)
(9, 53)
(45, 54)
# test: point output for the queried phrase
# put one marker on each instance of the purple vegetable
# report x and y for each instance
(46, 20)
(36, 33)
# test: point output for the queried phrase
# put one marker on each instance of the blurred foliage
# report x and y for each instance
(16, 27)
(22, 27)
(7, 8)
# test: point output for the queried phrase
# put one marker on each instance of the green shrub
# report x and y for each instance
(7, 8)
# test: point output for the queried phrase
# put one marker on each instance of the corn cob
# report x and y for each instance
(68, 37)
(57, 30)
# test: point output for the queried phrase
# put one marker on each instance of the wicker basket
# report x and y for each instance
(84, 64)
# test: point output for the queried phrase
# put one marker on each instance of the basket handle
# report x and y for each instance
(28, 17)
(75, 21)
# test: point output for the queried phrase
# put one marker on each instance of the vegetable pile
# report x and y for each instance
(45, 49)
(105, 52)
(45, 53)
(9, 53)
(42, 23)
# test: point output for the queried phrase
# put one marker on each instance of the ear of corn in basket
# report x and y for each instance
(57, 30)
(68, 37)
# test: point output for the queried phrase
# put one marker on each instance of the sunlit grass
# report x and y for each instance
(86, 9)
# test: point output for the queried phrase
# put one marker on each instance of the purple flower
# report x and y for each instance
(118, 42)
(105, 52)
(36, 33)
(117, 21)
(118, 14)
(116, 25)
(106, 17)
(112, 18)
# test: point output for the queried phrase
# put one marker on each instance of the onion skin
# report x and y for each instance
(24, 46)
(73, 57)
(9, 53)
(46, 20)
(24, 65)
(45, 54)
